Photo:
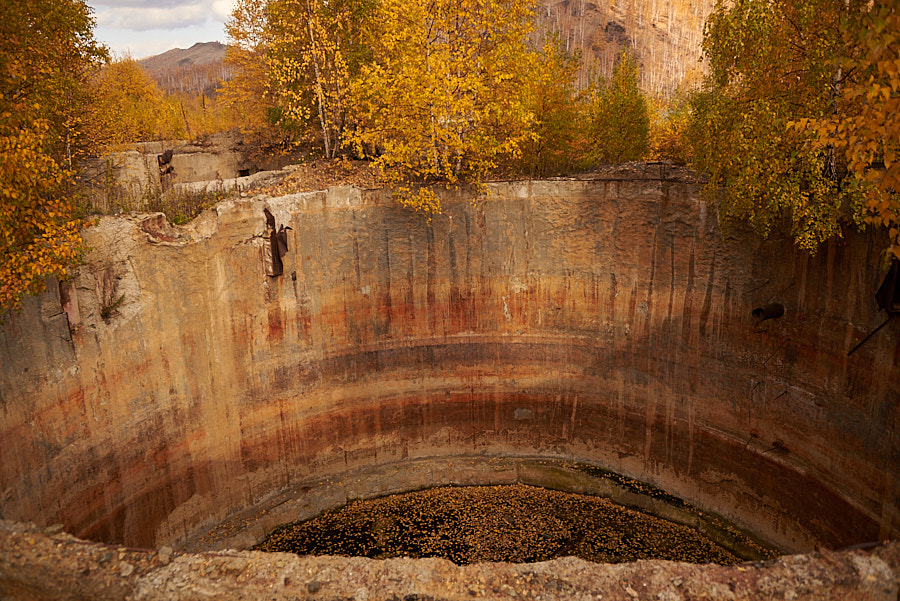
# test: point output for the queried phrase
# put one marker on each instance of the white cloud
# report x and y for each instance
(144, 19)
(137, 3)
(222, 9)
(144, 27)
(144, 48)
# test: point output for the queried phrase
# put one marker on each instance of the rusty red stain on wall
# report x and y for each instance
(624, 339)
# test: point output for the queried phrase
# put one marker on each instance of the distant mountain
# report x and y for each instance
(199, 69)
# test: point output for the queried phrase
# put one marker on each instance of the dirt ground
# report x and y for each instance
(319, 174)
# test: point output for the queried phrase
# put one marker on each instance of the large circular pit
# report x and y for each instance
(174, 394)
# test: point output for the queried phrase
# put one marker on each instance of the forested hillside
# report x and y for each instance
(198, 69)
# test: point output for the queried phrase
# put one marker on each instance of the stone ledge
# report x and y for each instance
(38, 566)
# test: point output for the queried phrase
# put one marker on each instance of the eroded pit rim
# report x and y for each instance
(44, 567)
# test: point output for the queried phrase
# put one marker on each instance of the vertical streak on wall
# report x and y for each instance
(236, 386)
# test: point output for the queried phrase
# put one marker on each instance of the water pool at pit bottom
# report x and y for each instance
(514, 523)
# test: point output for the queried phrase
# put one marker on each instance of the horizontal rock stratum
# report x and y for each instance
(174, 394)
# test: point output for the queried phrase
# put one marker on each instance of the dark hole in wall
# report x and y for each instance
(769, 311)
(888, 294)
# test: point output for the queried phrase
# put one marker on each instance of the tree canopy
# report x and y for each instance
(441, 98)
(126, 105)
(432, 91)
(246, 90)
(793, 118)
(315, 48)
(550, 94)
(864, 127)
(46, 52)
(619, 116)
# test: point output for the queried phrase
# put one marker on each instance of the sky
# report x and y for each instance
(141, 28)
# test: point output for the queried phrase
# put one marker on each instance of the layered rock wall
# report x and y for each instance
(173, 385)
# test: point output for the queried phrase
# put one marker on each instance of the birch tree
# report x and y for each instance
(441, 99)
(772, 64)
(863, 128)
(315, 47)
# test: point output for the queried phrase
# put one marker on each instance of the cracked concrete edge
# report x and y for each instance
(204, 226)
(38, 564)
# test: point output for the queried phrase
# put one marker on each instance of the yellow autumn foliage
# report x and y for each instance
(433, 92)
(38, 234)
(312, 49)
(441, 100)
(864, 128)
(246, 92)
(771, 62)
(47, 50)
(127, 106)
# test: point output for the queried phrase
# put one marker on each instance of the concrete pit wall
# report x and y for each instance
(127, 180)
(173, 386)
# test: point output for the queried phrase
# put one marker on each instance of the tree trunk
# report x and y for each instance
(320, 94)
(831, 159)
